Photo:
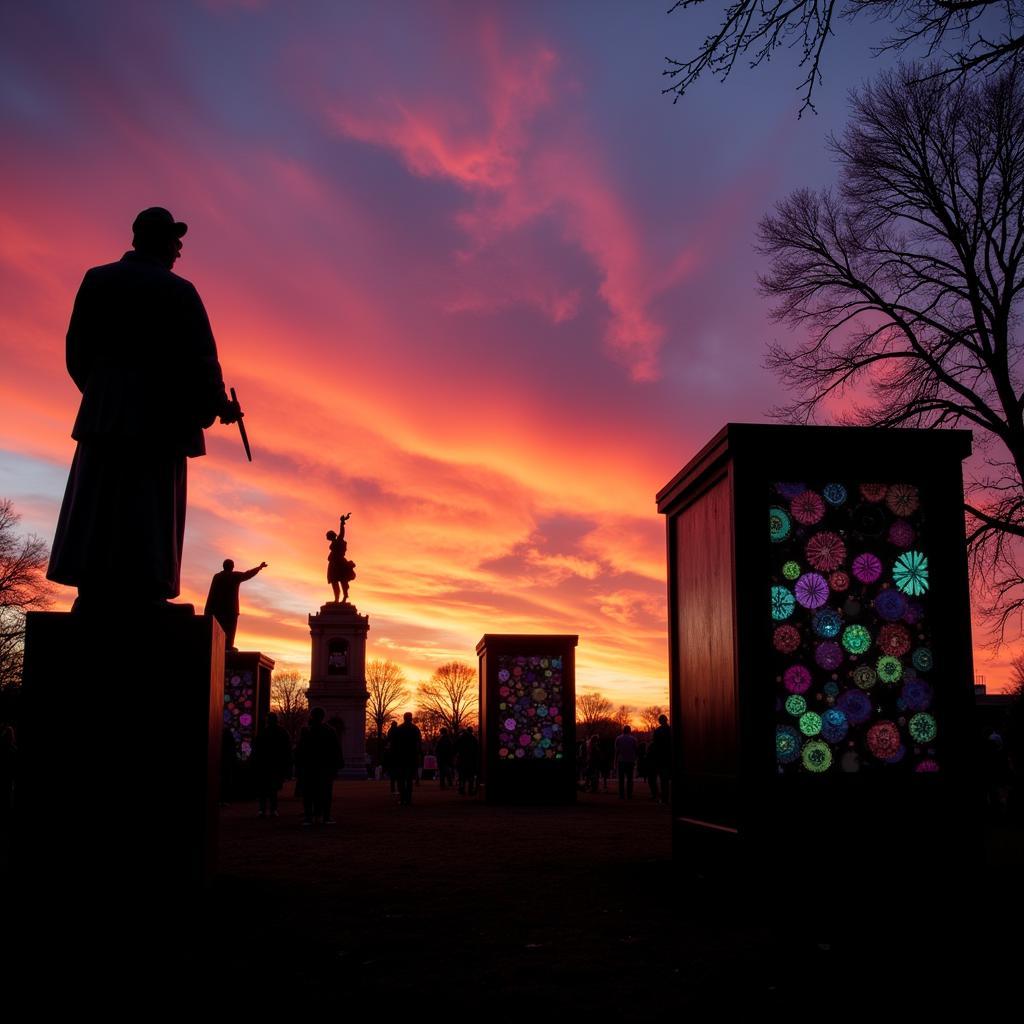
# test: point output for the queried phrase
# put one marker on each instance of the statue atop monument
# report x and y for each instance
(340, 570)
(140, 349)
(222, 600)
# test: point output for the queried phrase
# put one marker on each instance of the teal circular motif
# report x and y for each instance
(810, 723)
(783, 603)
(827, 623)
(910, 573)
(781, 524)
(889, 669)
(796, 705)
(922, 659)
(816, 756)
(922, 728)
(787, 744)
(791, 570)
(856, 639)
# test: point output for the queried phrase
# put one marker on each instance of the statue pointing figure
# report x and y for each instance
(140, 349)
(340, 570)
(222, 600)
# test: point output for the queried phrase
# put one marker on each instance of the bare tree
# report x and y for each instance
(907, 285)
(649, 717)
(23, 588)
(385, 683)
(592, 708)
(624, 715)
(969, 34)
(288, 701)
(451, 693)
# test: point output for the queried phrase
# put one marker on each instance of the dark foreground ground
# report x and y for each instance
(453, 907)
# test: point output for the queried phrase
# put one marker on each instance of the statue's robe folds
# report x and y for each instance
(140, 349)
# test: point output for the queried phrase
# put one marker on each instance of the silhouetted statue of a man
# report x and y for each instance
(340, 570)
(222, 600)
(140, 349)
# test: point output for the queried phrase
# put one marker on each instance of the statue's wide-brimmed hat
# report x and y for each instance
(158, 222)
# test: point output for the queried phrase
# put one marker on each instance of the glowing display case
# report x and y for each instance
(821, 675)
(528, 717)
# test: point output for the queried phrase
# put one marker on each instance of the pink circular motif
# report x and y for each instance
(903, 499)
(927, 765)
(867, 567)
(524, 740)
(829, 655)
(797, 679)
(873, 492)
(811, 590)
(807, 508)
(839, 581)
(901, 534)
(883, 740)
(826, 551)
(510, 724)
(786, 639)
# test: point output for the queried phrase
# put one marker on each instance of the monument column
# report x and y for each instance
(337, 678)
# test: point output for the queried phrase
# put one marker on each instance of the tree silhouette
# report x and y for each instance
(592, 708)
(385, 683)
(907, 284)
(23, 588)
(451, 694)
(288, 700)
(970, 34)
(649, 717)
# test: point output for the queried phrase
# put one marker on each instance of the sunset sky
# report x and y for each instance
(475, 278)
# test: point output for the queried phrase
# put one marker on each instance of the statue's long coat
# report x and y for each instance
(140, 349)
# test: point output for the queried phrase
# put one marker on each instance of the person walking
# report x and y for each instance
(318, 756)
(467, 757)
(271, 764)
(660, 777)
(406, 744)
(625, 759)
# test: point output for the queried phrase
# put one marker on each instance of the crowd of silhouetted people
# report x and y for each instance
(601, 756)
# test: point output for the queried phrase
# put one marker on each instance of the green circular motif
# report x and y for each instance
(781, 524)
(889, 669)
(910, 573)
(796, 705)
(810, 723)
(922, 659)
(865, 677)
(923, 728)
(816, 756)
(856, 639)
(783, 603)
(791, 570)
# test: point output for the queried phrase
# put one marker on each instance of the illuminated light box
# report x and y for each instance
(247, 677)
(528, 717)
(821, 676)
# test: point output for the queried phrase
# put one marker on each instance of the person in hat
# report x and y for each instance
(140, 350)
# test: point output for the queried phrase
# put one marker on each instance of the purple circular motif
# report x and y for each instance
(812, 589)
(524, 740)
(901, 534)
(790, 490)
(913, 613)
(916, 695)
(867, 567)
(927, 765)
(797, 679)
(510, 724)
(828, 655)
(856, 705)
(890, 604)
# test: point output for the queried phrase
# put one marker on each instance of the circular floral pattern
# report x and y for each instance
(781, 525)
(797, 679)
(922, 727)
(916, 695)
(901, 534)
(890, 604)
(787, 744)
(791, 570)
(810, 723)
(811, 590)
(873, 492)
(856, 639)
(839, 581)
(903, 499)
(807, 508)
(796, 705)
(889, 669)
(910, 573)
(783, 603)
(855, 705)
(922, 659)
(790, 490)
(827, 623)
(829, 655)
(883, 739)
(786, 639)
(864, 676)
(826, 551)
(816, 756)
(894, 639)
(532, 722)
(834, 494)
(867, 567)
(834, 725)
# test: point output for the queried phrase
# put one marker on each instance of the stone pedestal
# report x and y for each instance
(337, 679)
(119, 756)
